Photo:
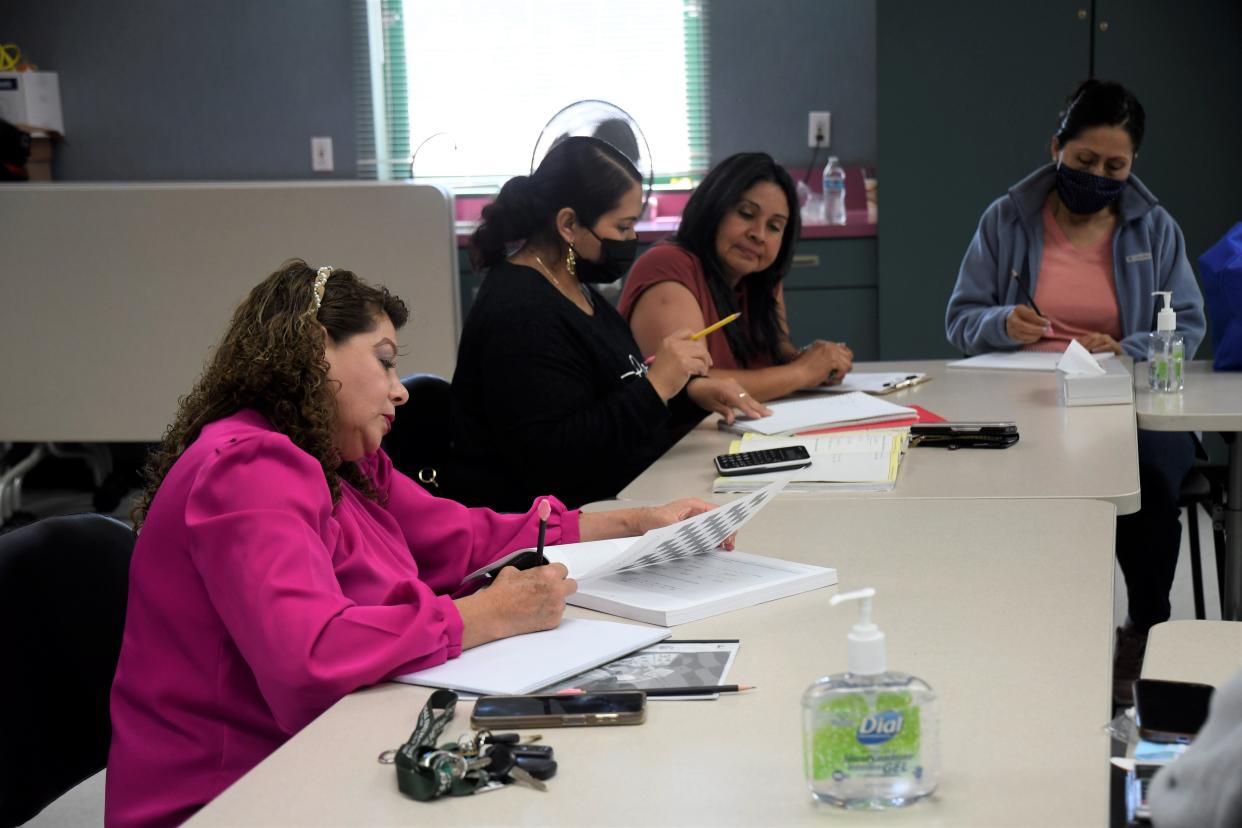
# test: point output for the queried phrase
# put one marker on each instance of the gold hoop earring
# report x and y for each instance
(571, 262)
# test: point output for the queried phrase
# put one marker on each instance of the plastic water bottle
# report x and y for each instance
(834, 192)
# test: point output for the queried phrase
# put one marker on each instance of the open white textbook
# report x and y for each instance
(677, 573)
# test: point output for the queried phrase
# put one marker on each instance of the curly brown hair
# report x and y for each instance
(271, 359)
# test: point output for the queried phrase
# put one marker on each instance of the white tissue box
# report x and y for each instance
(32, 100)
(1114, 387)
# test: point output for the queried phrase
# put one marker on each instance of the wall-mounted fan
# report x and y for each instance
(603, 120)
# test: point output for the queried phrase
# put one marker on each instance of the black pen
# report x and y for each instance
(697, 691)
(901, 382)
(1026, 291)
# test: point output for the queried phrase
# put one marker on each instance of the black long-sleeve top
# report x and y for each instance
(551, 400)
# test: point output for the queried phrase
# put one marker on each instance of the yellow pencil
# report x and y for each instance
(716, 326)
(703, 333)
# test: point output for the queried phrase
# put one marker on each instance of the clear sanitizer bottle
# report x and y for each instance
(1166, 349)
(870, 737)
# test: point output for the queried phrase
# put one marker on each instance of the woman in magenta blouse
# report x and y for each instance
(731, 253)
(282, 563)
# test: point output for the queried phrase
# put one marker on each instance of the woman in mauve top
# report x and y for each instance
(1086, 242)
(732, 249)
(281, 561)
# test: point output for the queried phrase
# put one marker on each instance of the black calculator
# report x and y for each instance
(765, 460)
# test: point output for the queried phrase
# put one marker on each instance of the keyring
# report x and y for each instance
(455, 759)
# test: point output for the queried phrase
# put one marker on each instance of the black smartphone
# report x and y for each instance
(995, 434)
(1170, 711)
(620, 707)
(764, 460)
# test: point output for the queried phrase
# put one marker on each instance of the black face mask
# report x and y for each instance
(1084, 193)
(616, 257)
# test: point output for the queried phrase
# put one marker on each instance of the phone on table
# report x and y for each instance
(764, 460)
(620, 707)
(1170, 711)
(995, 434)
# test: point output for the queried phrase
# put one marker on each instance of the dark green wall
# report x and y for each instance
(968, 93)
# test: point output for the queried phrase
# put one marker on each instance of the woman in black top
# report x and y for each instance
(551, 393)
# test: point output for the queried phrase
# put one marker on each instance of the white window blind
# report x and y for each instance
(475, 81)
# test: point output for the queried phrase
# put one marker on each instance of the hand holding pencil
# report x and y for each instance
(679, 358)
(1026, 324)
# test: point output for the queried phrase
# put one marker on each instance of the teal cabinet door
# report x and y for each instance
(967, 94)
(840, 315)
(830, 293)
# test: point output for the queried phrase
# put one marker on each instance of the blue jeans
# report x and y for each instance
(1148, 541)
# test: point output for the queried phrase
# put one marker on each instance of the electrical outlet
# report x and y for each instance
(818, 125)
(321, 154)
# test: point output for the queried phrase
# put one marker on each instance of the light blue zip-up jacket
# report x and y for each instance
(1148, 254)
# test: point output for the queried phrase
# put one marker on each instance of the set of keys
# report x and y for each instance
(504, 759)
(476, 763)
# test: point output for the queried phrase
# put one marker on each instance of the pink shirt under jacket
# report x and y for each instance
(255, 604)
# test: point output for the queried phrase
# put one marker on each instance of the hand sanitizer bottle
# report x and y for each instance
(1166, 349)
(870, 737)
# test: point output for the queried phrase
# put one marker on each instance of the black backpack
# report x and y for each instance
(14, 150)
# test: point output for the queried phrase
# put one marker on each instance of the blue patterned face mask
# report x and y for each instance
(1084, 193)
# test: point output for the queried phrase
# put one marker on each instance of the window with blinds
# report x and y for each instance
(466, 88)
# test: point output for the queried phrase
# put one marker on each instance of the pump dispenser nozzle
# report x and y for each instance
(1166, 319)
(865, 639)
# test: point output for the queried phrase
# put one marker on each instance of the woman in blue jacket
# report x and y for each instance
(1089, 244)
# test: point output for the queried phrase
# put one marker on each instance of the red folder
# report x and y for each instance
(923, 416)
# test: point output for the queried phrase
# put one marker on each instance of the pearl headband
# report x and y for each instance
(321, 281)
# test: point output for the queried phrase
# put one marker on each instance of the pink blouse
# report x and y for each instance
(1075, 288)
(255, 604)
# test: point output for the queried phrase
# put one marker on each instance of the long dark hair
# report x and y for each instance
(1101, 103)
(588, 175)
(271, 359)
(720, 192)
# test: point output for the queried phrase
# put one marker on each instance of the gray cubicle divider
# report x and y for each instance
(113, 295)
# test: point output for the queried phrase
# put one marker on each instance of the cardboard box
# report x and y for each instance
(1114, 387)
(31, 100)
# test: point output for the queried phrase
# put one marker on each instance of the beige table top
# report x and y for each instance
(1211, 401)
(1205, 651)
(1021, 665)
(1082, 452)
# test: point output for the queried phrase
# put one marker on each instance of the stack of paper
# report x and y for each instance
(814, 412)
(525, 663)
(1017, 361)
(852, 461)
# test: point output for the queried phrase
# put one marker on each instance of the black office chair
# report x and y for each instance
(419, 441)
(63, 589)
(1204, 486)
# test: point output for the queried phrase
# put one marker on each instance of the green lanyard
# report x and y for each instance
(425, 772)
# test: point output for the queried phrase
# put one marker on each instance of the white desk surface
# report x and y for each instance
(1205, 651)
(1082, 452)
(1012, 628)
(1211, 401)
